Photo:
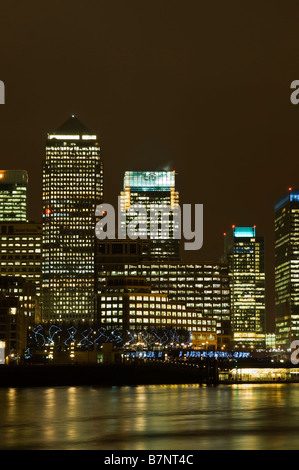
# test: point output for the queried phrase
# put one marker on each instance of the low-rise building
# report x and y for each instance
(13, 328)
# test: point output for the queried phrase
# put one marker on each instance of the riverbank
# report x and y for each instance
(142, 373)
(98, 374)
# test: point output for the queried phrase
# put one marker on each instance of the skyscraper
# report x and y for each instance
(13, 195)
(287, 269)
(72, 188)
(244, 254)
(155, 191)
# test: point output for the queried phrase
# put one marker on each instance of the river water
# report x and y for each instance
(171, 417)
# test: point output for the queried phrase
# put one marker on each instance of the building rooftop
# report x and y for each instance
(72, 127)
(13, 177)
(290, 196)
(149, 180)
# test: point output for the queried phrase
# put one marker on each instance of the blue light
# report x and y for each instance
(244, 232)
(214, 354)
(27, 354)
(294, 196)
(103, 336)
(71, 331)
(291, 196)
(37, 333)
(86, 341)
(53, 333)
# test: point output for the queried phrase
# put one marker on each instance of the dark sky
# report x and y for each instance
(203, 87)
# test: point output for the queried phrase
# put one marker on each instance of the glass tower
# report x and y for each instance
(156, 193)
(13, 195)
(72, 188)
(287, 269)
(244, 254)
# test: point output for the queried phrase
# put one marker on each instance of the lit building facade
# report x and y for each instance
(244, 254)
(13, 195)
(21, 251)
(140, 313)
(13, 328)
(154, 191)
(72, 189)
(25, 292)
(287, 269)
(201, 287)
(270, 341)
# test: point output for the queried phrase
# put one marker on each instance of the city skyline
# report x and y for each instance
(143, 347)
(217, 111)
(72, 120)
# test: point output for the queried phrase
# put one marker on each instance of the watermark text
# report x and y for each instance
(2, 92)
(154, 222)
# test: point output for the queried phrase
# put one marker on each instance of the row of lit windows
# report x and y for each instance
(168, 270)
(17, 238)
(159, 321)
(60, 150)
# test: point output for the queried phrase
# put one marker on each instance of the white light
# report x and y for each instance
(2, 352)
(64, 137)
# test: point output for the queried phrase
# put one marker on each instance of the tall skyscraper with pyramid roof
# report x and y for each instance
(72, 188)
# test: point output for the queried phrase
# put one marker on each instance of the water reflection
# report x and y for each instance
(174, 417)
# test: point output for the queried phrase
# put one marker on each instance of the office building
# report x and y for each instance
(25, 292)
(72, 189)
(270, 341)
(244, 254)
(21, 251)
(201, 287)
(146, 317)
(13, 195)
(287, 269)
(13, 329)
(156, 193)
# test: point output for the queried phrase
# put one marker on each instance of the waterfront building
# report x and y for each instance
(244, 254)
(72, 189)
(270, 341)
(141, 315)
(20, 245)
(21, 251)
(13, 195)
(154, 191)
(25, 291)
(287, 269)
(202, 287)
(13, 328)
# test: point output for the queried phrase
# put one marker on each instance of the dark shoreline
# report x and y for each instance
(117, 374)
(97, 375)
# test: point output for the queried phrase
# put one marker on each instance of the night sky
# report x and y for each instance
(199, 87)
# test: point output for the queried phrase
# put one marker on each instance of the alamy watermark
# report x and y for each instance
(295, 352)
(154, 222)
(2, 93)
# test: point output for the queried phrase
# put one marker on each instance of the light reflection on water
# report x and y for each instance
(171, 417)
